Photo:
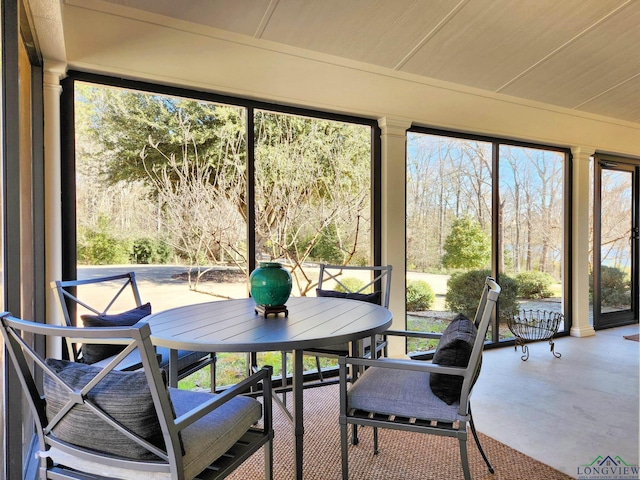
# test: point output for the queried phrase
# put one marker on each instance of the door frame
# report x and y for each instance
(629, 316)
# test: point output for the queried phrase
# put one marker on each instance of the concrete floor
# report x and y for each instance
(564, 412)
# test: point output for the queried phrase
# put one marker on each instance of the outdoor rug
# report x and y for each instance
(635, 337)
(403, 455)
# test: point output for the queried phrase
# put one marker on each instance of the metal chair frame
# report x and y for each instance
(59, 459)
(350, 416)
(380, 281)
(68, 300)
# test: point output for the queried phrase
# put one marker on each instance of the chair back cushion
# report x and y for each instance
(374, 297)
(454, 350)
(125, 396)
(92, 353)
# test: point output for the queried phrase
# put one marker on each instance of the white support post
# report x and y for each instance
(581, 324)
(393, 219)
(53, 73)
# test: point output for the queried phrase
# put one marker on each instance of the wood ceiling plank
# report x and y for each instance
(595, 63)
(378, 32)
(492, 41)
(620, 102)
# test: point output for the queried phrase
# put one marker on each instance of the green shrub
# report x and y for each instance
(150, 251)
(164, 252)
(419, 296)
(533, 284)
(100, 248)
(352, 283)
(614, 286)
(143, 251)
(464, 290)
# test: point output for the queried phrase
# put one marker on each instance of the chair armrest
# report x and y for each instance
(415, 334)
(263, 375)
(402, 365)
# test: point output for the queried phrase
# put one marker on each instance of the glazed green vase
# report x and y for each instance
(270, 284)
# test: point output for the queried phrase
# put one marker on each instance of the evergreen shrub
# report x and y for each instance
(150, 251)
(614, 286)
(464, 290)
(533, 284)
(419, 296)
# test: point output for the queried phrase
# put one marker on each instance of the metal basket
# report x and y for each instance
(534, 325)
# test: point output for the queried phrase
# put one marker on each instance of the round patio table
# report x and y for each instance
(234, 326)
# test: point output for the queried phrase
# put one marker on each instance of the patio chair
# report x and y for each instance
(332, 283)
(118, 293)
(431, 398)
(100, 422)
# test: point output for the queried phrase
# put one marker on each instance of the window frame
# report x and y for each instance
(68, 155)
(567, 169)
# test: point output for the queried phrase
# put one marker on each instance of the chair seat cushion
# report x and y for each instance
(374, 297)
(338, 349)
(186, 358)
(125, 396)
(129, 363)
(94, 352)
(212, 435)
(391, 391)
(204, 441)
(453, 350)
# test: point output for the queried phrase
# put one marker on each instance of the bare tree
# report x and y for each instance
(615, 218)
(310, 175)
(199, 205)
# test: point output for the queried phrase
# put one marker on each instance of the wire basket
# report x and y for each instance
(533, 325)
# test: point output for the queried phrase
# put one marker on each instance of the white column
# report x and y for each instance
(581, 326)
(393, 219)
(53, 73)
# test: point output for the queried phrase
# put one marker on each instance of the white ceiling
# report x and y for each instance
(582, 55)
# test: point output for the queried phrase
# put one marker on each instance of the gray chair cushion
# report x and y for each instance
(454, 350)
(207, 439)
(123, 395)
(374, 297)
(402, 393)
(129, 363)
(186, 358)
(212, 435)
(94, 353)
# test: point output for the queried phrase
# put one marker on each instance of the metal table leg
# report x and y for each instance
(173, 368)
(298, 426)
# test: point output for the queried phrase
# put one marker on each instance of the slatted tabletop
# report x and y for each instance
(233, 325)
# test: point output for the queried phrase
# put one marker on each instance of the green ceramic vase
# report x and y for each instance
(270, 284)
